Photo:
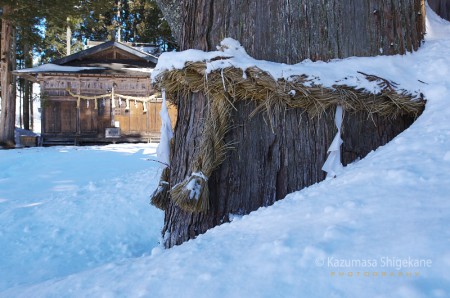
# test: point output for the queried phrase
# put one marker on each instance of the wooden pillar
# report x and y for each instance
(78, 109)
(43, 107)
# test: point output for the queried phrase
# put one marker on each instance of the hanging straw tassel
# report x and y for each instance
(192, 194)
(161, 196)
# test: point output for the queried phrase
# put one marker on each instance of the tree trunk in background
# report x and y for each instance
(8, 113)
(269, 162)
(27, 94)
(68, 37)
(441, 7)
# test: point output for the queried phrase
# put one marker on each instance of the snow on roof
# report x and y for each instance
(103, 46)
(55, 68)
(147, 49)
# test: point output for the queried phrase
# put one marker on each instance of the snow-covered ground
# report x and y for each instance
(66, 209)
(75, 222)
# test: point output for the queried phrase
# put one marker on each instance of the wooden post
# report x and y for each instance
(113, 105)
(78, 109)
(43, 107)
(30, 91)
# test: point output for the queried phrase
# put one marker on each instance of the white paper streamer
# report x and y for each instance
(333, 163)
(163, 150)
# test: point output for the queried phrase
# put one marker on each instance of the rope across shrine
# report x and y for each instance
(113, 96)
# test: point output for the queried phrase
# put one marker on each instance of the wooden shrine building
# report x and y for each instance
(99, 95)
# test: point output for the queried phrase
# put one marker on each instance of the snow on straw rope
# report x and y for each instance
(227, 85)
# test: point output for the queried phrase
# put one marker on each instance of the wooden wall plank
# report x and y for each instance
(67, 117)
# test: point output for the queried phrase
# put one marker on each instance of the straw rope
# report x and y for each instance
(193, 193)
(296, 92)
(225, 86)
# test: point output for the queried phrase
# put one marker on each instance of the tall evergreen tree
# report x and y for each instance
(8, 101)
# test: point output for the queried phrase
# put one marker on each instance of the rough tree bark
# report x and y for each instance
(8, 113)
(268, 162)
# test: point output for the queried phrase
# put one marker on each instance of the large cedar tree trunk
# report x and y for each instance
(269, 161)
(7, 53)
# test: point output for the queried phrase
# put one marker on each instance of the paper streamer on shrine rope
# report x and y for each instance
(333, 163)
(163, 149)
(160, 197)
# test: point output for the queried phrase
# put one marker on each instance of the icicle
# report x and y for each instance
(120, 102)
(78, 102)
(104, 102)
(127, 108)
(163, 150)
(135, 104)
(87, 103)
(333, 163)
